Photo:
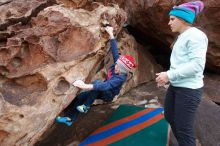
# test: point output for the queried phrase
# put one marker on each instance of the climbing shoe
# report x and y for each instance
(65, 120)
(82, 108)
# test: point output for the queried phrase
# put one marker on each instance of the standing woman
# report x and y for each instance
(185, 75)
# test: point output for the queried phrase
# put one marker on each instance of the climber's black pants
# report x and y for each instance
(180, 109)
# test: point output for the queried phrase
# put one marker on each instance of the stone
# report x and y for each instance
(40, 62)
(207, 123)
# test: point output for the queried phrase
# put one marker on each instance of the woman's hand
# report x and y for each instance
(162, 79)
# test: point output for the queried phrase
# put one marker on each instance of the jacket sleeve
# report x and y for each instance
(197, 54)
(109, 84)
(114, 49)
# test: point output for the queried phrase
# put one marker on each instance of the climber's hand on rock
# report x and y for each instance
(78, 83)
(109, 30)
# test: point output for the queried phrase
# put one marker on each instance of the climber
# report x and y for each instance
(104, 90)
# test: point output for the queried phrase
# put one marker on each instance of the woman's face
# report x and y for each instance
(176, 24)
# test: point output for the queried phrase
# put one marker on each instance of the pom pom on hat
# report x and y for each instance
(196, 6)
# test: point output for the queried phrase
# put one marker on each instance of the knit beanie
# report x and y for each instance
(187, 11)
(126, 63)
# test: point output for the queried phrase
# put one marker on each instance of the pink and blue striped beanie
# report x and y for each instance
(187, 11)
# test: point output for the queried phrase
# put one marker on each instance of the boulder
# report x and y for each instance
(14, 11)
(212, 86)
(207, 123)
(40, 61)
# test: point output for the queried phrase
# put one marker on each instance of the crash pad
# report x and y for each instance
(131, 125)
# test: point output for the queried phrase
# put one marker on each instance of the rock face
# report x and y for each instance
(13, 12)
(212, 86)
(207, 123)
(41, 56)
(39, 63)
